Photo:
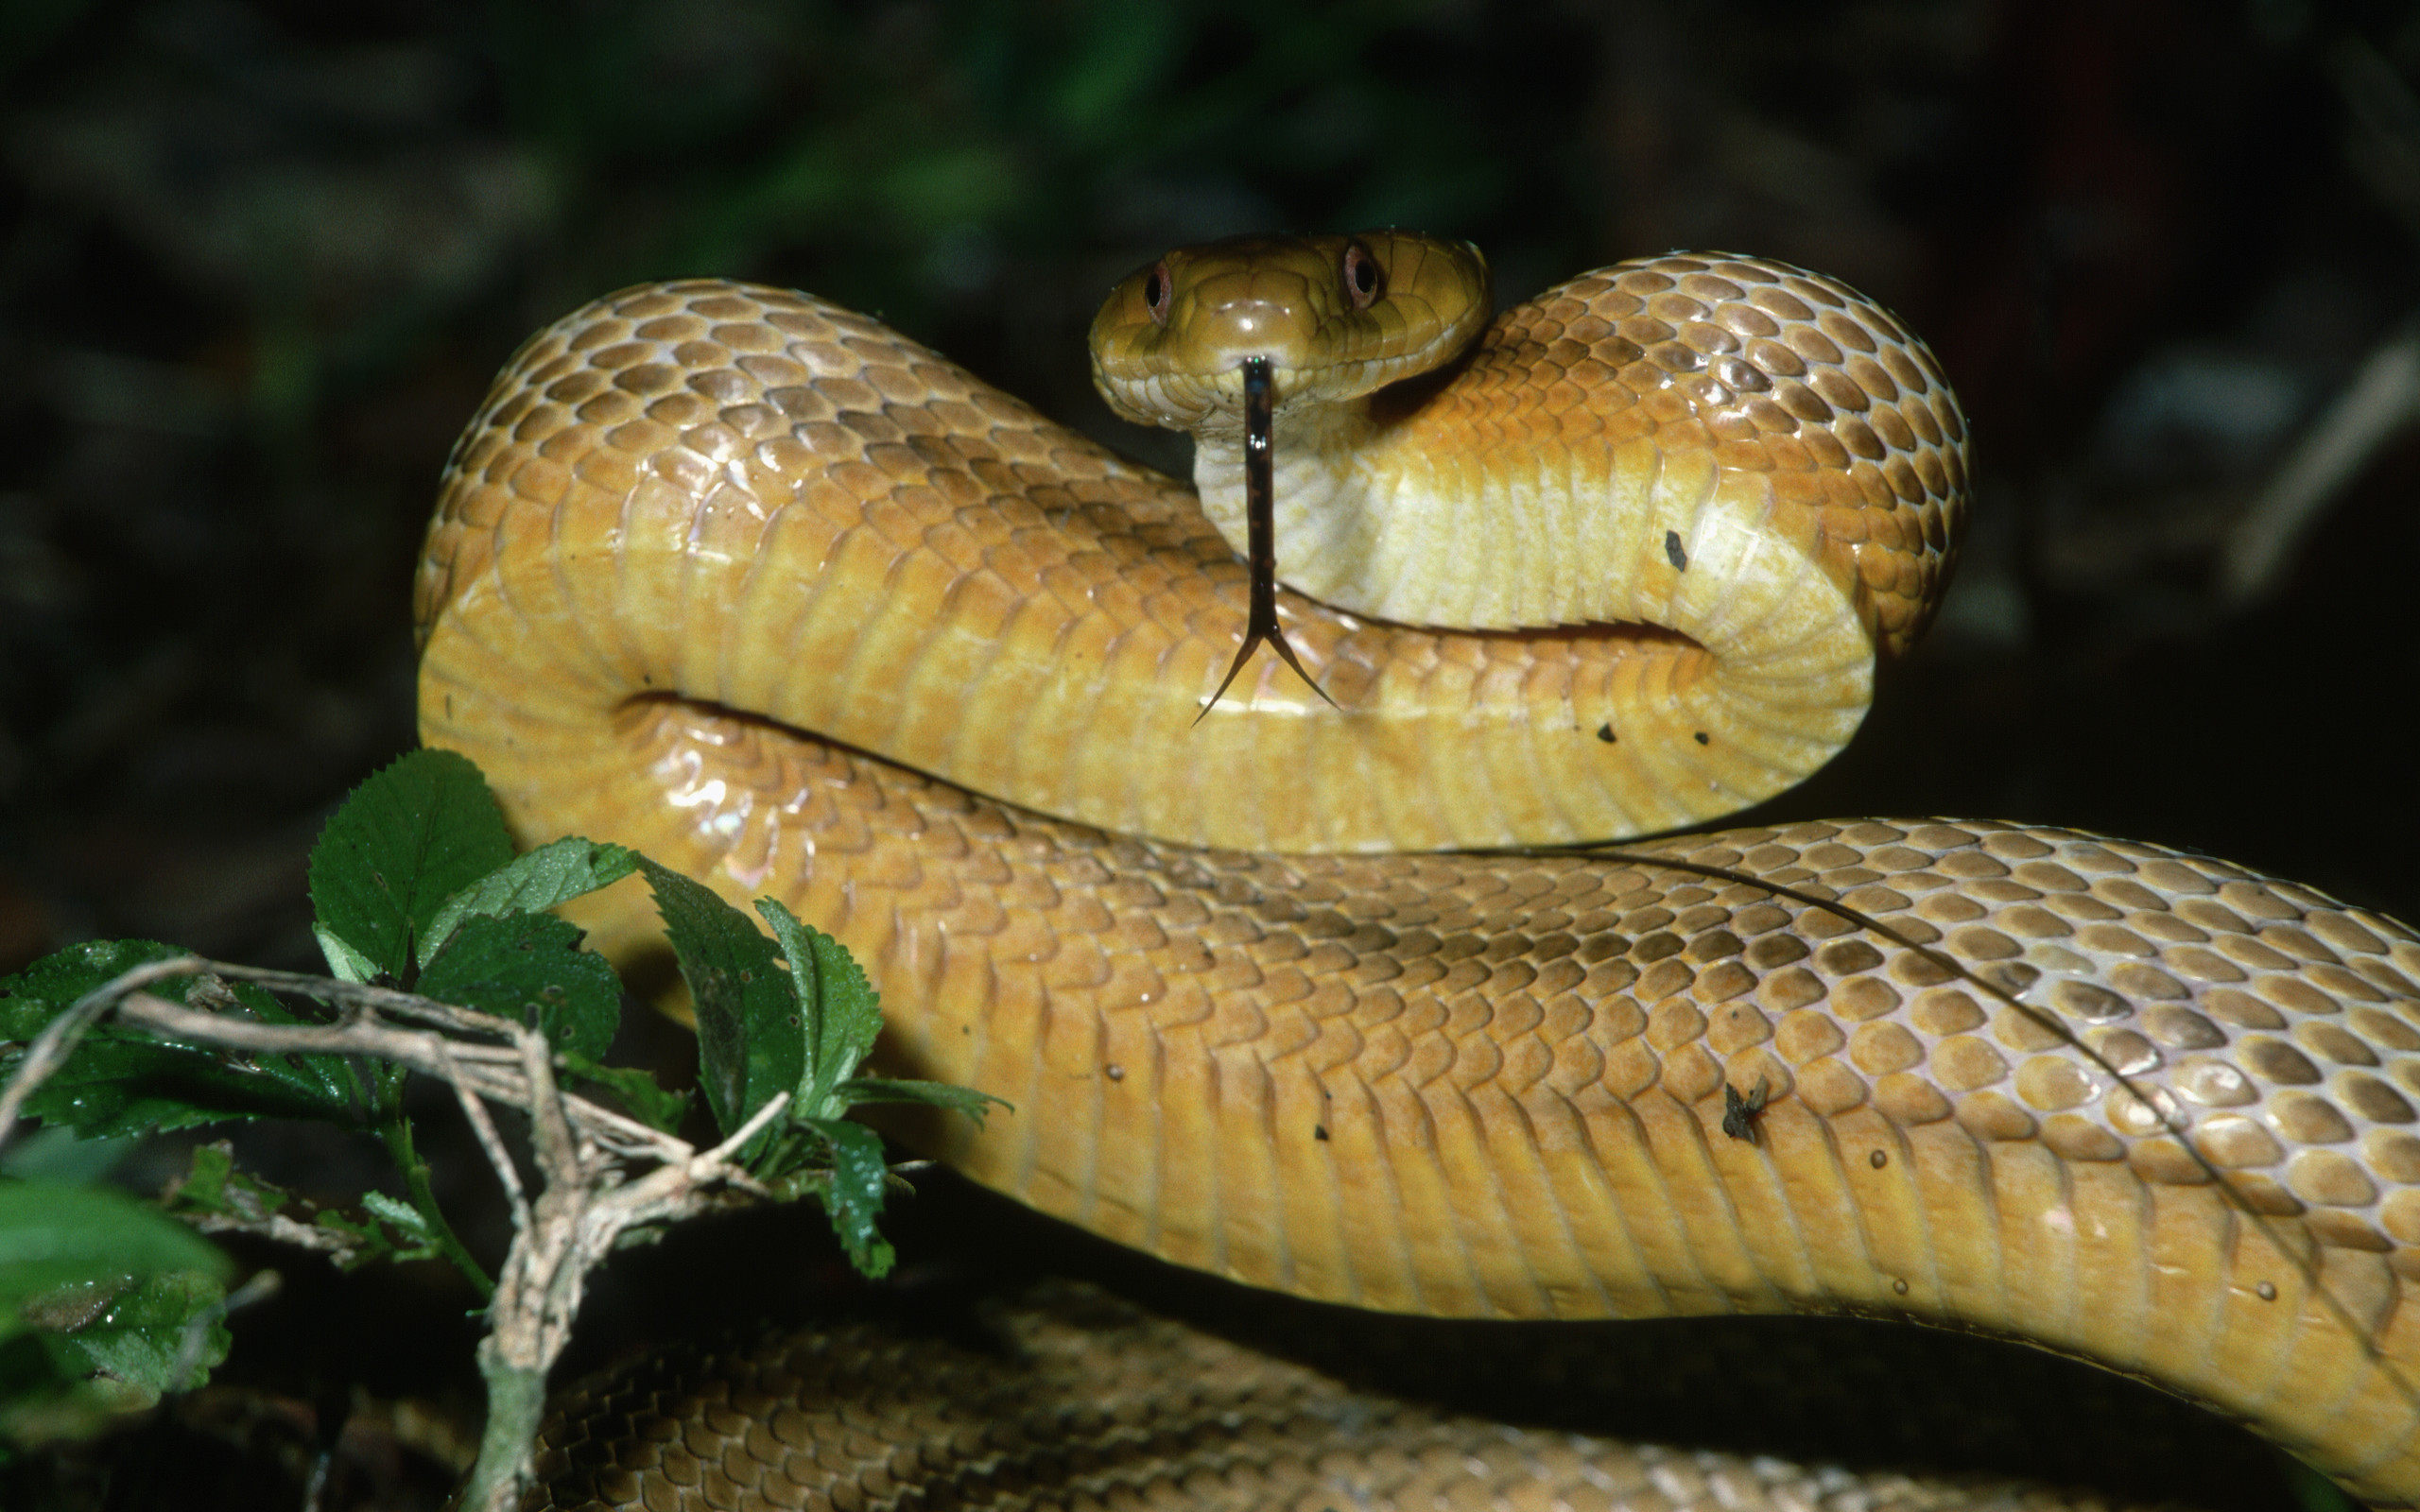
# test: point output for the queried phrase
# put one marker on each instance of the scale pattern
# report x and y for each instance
(1088, 1404)
(1494, 1086)
(811, 518)
(1773, 371)
(1484, 1085)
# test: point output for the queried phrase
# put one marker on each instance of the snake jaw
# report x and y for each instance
(1338, 317)
(634, 631)
(1217, 340)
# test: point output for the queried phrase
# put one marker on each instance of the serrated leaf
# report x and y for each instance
(932, 1093)
(53, 1235)
(122, 1081)
(842, 1012)
(853, 1196)
(407, 840)
(524, 965)
(531, 884)
(636, 1090)
(344, 963)
(51, 986)
(399, 1215)
(401, 1227)
(751, 1042)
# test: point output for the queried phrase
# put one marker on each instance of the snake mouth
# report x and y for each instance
(1338, 317)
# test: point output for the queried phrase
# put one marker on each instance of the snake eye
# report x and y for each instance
(1159, 292)
(1364, 281)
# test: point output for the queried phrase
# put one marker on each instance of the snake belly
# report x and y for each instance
(697, 521)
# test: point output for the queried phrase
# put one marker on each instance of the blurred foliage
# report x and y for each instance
(944, 146)
(258, 259)
(349, 178)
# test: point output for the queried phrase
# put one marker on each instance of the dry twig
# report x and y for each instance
(603, 1174)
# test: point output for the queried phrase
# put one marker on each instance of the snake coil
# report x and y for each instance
(792, 604)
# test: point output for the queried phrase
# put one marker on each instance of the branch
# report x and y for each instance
(602, 1174)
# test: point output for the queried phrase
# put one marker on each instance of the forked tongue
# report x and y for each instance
(1260, 521)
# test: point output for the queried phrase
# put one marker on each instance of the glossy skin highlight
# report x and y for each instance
(1286, 298)
(702, 531)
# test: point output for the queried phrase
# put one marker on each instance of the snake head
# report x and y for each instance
(1337, 316)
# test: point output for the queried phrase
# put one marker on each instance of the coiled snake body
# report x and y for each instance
(1252, 1020)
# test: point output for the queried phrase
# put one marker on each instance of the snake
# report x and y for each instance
(1403, 973)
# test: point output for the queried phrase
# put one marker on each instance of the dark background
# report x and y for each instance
(258, 262)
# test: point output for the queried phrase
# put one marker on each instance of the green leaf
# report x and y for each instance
(367, 1240)
(405, 841)
(214, 1187)
(412, 1235)
(636, 1090)
(344, 963)
(138, 1343)
(842, 1013)
(105, 1346)
(51, 986)
(932, 1093)
(531, 884)
(751, 1042)
(52, 1236)
(521, 965)
(854, 1195)
(123, 1081)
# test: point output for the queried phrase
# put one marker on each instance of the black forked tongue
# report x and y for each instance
(1260, 519)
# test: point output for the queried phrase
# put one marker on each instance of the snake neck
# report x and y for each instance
(1338, 538)
(1430, 520)
(1376, 518)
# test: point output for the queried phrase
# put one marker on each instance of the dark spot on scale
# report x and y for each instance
(1605, 732)
(1740, 1113)
(2267, 1291)
(1672, 552)
(1319, 1131)
(1900, 1287)
(1700, 737)
(1117, 1073)
(1877, 1159)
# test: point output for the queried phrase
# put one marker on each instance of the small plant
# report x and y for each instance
(446, 961)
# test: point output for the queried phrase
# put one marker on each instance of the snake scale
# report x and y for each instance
(766, 589)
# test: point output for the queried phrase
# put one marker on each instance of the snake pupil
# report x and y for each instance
(1157, 286)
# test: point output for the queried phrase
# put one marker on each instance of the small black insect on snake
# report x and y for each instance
(1740, 1113)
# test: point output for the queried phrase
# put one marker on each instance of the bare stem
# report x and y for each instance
(602, 1173)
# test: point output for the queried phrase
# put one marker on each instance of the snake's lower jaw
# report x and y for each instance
(1168, 338)
(696, 522)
